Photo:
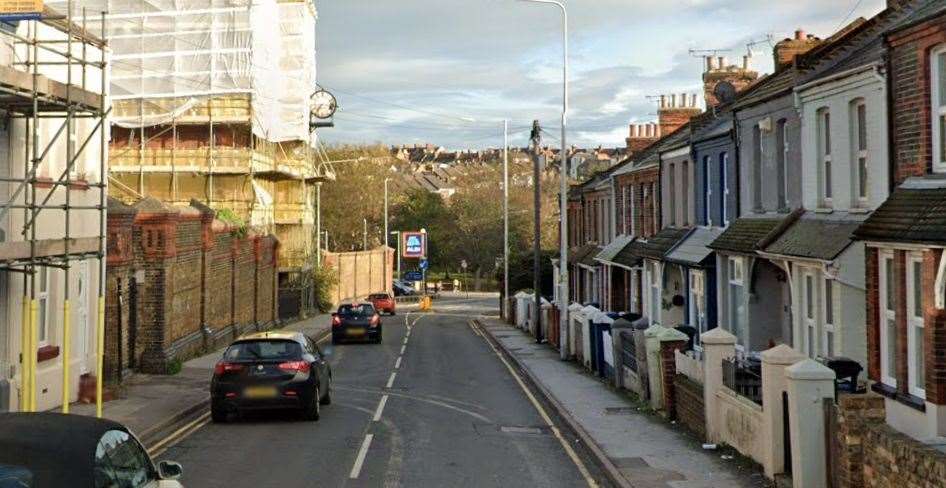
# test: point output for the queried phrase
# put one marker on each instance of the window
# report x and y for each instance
(672, 197)
(707, 192)
(724, 178)
(757, 167)
(828, 335)
(859, 139)
(824, 151)
(42, 301)
(624, 205)
(888, 315)
(632, 206)
(655, 279)
(808, 303)
(698, 303)
(781, 155)
(653, 205)
(916, 369)
(685, 191)
(736, 301)
(938, 91)
(120, 461)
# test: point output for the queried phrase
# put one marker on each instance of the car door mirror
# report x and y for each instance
(169, 470)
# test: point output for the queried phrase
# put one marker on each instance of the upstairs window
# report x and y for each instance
(781, 156)
(938, 113)
(757, 168)
(859, 150)
(724, 179)
(685, 191)
(672, 188)
(707, 192)
(824, 152)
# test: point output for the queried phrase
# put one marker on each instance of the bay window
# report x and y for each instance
(809, 310)
(916, 370)
(828, 334)
(698, 303)
(655, 292)
(737, 305)
(888, 317)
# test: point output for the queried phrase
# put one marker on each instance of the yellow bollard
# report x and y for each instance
(99, 357)
(66, 342)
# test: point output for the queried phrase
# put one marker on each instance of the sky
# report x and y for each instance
(448, 72)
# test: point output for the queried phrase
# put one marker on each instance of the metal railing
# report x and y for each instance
(629, 350)
(744, 378)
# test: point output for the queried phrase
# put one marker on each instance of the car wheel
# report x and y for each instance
(312, 410)
(327, 399)
(218, 415)
(393, 313)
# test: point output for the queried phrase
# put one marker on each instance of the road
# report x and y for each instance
(432, 406)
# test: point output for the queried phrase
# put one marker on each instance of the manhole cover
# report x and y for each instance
(619, 410)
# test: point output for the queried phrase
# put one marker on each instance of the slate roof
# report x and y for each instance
(584, 255)
(626, 257)
(915, 212)
(651, 154)
(657, 245)
(693, 249)
(746, 234)
(814, 237)
(923, 11)
(611, 250)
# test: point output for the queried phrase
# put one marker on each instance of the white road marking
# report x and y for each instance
(403, 348)
(397, 364)
(548, 420)
(360, 460)
(391, 380)
(377, 412)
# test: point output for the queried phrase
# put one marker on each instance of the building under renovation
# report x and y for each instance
(211, 103)
(53, 162)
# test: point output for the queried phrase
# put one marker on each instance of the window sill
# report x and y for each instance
(892, 393)
(824, 210)
(859, 210)
(47, 353)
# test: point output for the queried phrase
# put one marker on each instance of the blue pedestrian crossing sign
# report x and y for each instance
(423, 264)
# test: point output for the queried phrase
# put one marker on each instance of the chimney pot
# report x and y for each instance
(721, 62)
(745, 62)
(709, 63)
(663, 101)
(683, 100)
(693, 100)
(800, 35)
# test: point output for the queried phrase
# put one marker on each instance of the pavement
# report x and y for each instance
(434, 405)
(647, 451)
(149, 404)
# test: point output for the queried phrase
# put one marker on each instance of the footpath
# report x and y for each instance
(632, 444)
(153, 406)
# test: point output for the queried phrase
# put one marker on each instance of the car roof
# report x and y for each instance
(273, 334)
(58, 448)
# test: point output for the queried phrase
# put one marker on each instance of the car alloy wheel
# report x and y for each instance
(312, 410)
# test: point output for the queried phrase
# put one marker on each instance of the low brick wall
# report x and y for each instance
(892, 459)
(854, 413)
(181, 283)
(690, 406)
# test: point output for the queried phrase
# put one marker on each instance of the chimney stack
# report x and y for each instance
(710, 65)
(788, 49)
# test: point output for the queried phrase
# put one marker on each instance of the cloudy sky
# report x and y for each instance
(449, 71)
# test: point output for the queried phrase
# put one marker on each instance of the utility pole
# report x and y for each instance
(536, 146)
(384, 257)
(505, 216)
(364, 235)
(318, 224)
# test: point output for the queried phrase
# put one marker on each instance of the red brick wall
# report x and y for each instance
(642, 208)
(910, 91)
(668, 374)
(873, 314)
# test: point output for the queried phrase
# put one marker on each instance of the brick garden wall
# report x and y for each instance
(196, 282)
(892, 459)
(689, 404)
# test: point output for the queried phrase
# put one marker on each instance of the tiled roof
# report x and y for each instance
(746, 233)
(774, 85)
(611, 250)
(657, 245)
(693, 250)
(915, 212)
(626, 257)
(815, 237)
(584, 255)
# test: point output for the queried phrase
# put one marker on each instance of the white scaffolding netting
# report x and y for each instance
(167, 55)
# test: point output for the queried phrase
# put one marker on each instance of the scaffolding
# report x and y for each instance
(57, 78)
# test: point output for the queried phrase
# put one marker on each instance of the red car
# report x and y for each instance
(382, 302)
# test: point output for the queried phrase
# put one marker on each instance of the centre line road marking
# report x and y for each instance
(403, 348)
(377, 412)
(360, 460)
(548, 420)
(397, 364)
(391, 380)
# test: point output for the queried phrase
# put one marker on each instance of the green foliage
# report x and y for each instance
(174, 366)
(324, 279)
(228, 216)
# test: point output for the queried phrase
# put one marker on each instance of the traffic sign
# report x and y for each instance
(415, 244)
(414, 276)
(423, 264)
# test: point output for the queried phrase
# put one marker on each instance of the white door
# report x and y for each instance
(81, 308)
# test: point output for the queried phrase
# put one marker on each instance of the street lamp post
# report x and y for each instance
(563, 239)
(505, 217)
(384, 258)
(398, 234)
(318, 224)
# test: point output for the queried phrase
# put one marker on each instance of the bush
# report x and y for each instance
(228, 216)
(323, 280)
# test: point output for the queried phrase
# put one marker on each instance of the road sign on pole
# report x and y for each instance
(423, 264)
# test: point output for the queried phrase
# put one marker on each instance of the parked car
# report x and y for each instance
(58, 449)
(356, 321)
(382, 302)
(271, 370)
(403, 289)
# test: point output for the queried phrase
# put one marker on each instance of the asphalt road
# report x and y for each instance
(432, 406)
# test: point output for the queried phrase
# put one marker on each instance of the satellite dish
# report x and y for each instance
(725, 92)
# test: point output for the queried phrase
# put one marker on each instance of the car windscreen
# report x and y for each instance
(356, 310)
(274, 350)
(379, 296)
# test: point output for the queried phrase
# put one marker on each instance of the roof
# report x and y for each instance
(584, 254)
(611, 250)
(657, 245)
(924, 10)
(58, 448)
(915, 212)
(815, 237)
(651, 154)
(746, 233)
(626, 257)
(693, 249)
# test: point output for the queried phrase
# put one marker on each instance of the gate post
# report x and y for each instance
(718, 344)
(809, 383)
(774, 363)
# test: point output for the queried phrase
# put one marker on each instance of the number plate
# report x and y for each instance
(356, 332)
(259, 392)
